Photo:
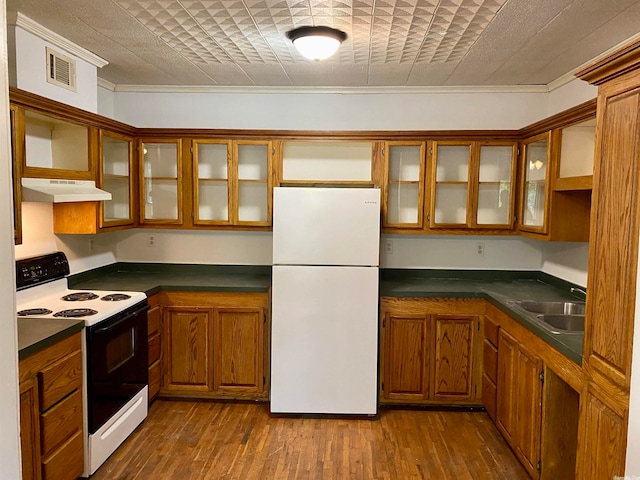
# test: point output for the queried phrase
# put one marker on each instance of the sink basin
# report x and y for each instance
(554, 308)
(563, 323)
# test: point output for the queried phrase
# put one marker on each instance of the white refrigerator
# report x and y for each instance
(324, 339)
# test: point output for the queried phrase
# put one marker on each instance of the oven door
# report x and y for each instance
(116, 363)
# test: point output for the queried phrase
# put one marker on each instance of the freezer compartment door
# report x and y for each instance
(324, 342)
(326, 226)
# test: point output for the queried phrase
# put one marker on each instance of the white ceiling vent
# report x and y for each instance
(61, 70)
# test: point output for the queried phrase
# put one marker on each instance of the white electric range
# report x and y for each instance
(114, 349)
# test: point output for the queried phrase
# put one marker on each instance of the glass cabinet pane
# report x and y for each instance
(451, 184)
(212, 170)
(404, 204)
(495, 185)
(577, 149)
(160, 181)
(116, 178)
(535, 183)
(253, 182)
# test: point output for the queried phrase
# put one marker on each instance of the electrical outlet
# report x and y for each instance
(388, 246)
(151, 240)
(480, 249)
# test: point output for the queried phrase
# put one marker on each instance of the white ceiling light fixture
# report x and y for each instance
(316, 43)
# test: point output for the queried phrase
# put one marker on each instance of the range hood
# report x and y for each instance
(60, 191)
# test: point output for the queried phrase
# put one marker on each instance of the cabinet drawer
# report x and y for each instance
(489, 396)
(154, 349)
(490, 360)
(61, 422)
(491, 330)
(153, 320)
(60, 379)
(67, 462)
(154, 380)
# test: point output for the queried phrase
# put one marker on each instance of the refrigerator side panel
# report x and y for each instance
(326, 226)
(324, 350)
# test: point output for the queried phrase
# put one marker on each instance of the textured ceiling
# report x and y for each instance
(390, 42)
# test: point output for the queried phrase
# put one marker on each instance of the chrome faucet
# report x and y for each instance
(579, 290)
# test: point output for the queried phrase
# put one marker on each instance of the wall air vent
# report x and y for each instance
(61, 70)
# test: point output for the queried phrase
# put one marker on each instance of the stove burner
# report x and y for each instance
(115, 297)
(34, 311)
(79, 297)
(75, 312)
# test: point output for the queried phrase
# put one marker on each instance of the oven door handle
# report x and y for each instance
(122, 320)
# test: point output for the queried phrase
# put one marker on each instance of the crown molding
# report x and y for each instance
(19, 20)
(331, 90)
(106, 84)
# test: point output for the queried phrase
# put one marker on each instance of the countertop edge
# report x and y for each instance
(50, 340)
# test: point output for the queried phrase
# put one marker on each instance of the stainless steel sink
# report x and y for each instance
(559, 323)
(553, 308)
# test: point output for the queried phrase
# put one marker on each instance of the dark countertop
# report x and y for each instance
(501, 288)
(35, 334)
(151, 278)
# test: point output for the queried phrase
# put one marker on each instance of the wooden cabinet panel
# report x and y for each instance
(154, 347)
(154, 317)
(453, 337)
(60, 378)
(155, 375)
(238, 353)
(187, 363)
(489, 396)
(506, 387)
(60, 422)
(67, 462)
(406, 362)
(528, 408)
(614, 247)
(602, 436)
(30, 430)
(490, 360)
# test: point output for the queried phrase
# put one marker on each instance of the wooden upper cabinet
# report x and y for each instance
(494, 176)
(536, 176)
(252, 182)
(16, 172)
(575, 165)
(212, 182)
(403, 203)
(232, 182)
(472, 185)
(451, 184)
(55, 147)
(161, 181)
(117, 175)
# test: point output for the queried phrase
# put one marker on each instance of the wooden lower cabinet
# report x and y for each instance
(430, 351)
(154, 344)
(51, 425)
(519, 400)
(214, 344)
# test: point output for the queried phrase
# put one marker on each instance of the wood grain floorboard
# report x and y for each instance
(182, 440)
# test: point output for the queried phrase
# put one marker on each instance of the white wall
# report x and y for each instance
(38, 239)
(569, 95)
(566, 260)
(632, 467)
(9, 399)
(106, 102)
(30, 60)
(331, 111)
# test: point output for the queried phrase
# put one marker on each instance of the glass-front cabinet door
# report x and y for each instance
(535, 184)
(252, 182)
(495, 180)
(117, 178)
(451, 177)
(403, 205)
(212, 168)
(161, 181)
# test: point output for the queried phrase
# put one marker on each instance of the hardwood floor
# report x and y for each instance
(206, 440)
